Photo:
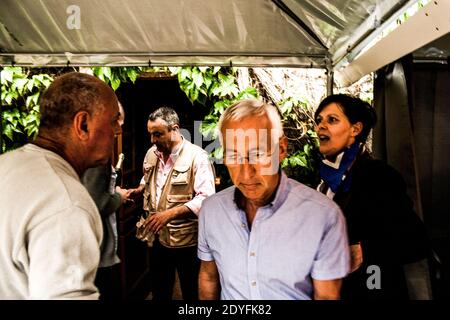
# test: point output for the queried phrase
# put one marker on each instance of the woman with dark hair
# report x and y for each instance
(384, 231)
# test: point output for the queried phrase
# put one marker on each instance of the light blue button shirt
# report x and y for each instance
(300, 235)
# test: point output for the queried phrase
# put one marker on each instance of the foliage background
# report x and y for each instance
(294, 91)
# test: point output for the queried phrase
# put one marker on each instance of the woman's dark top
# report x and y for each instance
(380, 216)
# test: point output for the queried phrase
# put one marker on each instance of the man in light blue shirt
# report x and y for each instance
(268, 236)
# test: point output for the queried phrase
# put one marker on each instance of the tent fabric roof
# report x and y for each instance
(286, 33)
(181, 32)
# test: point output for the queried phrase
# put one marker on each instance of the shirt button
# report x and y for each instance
(252, 254)
(243, 225)
(253, 283)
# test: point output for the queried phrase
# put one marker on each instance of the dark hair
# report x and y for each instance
(69, 94)
(165, 113)
(355, 109)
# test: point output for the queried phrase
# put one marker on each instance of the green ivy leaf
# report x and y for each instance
(219, 107)
(8, 98)
(21, 84)
(47, 82)
(132, 74)
(184, 74)
(193, 95)
(30, 85)
(217, 153)
(248, 93)
(229, 90)
(174, 70)
(22, 121)
(7, 75)
(36, 97)
(208, 127)
(207, 79)
(223, 78)
(115, 83)
(106, 72)
(7, 131)
(197, 78)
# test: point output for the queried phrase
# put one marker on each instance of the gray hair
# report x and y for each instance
(251, 108)
(166, 114)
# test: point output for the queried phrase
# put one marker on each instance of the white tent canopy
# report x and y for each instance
(294, 33)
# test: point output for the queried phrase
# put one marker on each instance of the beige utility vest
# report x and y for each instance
(178, 189)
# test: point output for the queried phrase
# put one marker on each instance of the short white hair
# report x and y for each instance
(251, 108)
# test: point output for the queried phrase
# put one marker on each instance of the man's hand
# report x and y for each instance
(156, 221)
(136, 192)
(123, 194)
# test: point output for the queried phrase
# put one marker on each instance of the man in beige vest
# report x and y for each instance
(178, 176)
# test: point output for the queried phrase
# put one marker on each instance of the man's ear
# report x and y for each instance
(175, 127)
(283, 148)
(81, 125)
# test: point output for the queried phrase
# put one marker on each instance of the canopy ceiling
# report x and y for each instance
(295, 33)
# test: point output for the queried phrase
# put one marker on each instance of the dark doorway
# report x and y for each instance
(148, 93)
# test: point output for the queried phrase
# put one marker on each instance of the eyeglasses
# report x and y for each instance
(254, 157)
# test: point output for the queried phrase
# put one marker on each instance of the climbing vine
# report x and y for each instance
(22, 87)
(20, 91)
(216, 88)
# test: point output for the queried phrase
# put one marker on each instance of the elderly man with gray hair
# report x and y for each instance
(50, 228)
(268, 236)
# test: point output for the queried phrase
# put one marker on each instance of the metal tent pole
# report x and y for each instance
(330, 75)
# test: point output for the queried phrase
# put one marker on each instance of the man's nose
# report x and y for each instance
(247, 169)
(153, 139)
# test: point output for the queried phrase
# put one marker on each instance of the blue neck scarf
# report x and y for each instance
(334, 173)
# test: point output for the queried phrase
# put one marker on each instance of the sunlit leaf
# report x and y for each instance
(115, 83)
(174, 70)
(106, 72)
(8, 98)
(30, 85)
(197, 78)
(7, 131)
(185, 74)
(7, 75)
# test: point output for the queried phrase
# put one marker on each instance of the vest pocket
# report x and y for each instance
(179, 178)
(183, 235)
(178, 198)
